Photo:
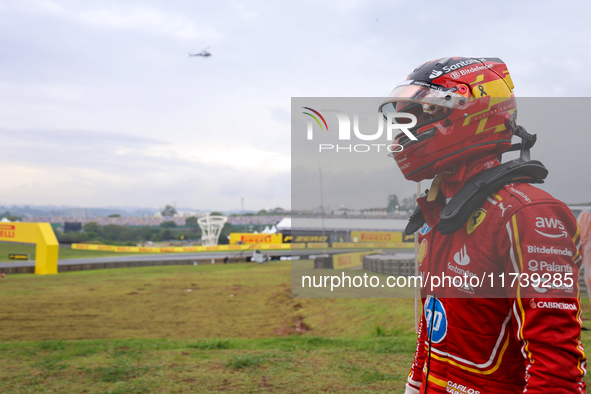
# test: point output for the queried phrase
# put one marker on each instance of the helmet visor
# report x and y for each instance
(430, 98)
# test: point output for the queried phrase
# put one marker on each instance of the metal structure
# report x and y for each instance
(211, 228)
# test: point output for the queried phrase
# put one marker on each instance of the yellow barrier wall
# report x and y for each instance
(219, 248)
(316, 245)
(360, 245)
(376, 236)
(185, 249)
(40, 234)
(349, 260)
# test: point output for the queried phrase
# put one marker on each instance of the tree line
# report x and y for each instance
(406, 204)
(126, 235)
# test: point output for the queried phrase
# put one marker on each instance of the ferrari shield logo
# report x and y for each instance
(475, 219)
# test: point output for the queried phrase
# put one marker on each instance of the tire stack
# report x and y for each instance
(323, 262)
(389, 264)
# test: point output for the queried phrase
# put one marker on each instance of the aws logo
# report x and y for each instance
(475, 219)
(550, 223)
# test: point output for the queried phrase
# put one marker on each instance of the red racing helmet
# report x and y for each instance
(461, 105)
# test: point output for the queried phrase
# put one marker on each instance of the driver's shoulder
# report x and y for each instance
(516, 197)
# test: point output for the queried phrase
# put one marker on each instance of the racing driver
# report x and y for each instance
(512, 324)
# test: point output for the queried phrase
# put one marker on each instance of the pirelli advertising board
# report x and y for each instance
(304, 238)
(380, 236)
(349, 260)
(250, 239)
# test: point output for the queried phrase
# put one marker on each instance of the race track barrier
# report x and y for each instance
(180, 249)
(383, 245)
(73, 265)
(40, 234)
(241, 248)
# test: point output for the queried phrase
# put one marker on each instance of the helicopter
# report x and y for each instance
(203, 53)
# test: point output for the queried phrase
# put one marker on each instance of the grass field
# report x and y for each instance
(291, 365)
(158, 330)
(232, 301)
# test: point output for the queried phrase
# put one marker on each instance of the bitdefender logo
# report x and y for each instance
(344, 130)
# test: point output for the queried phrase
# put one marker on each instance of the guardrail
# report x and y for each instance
(183, 249)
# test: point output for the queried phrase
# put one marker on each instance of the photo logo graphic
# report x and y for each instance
(316, 119)
(391, 127)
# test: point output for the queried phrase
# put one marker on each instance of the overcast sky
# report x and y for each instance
(100, 104)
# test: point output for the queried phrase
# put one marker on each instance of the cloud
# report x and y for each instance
(69, 166)
(121, 16)
(216, 129)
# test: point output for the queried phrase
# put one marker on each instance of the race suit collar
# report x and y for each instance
(451, 215)
(451, 183)
(461, 173)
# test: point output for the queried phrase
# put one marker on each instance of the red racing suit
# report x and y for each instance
(515, 339)
(584, 220)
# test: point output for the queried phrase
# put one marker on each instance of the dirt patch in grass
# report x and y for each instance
(206, 301)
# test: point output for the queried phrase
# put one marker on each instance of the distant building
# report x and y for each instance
(72, 227)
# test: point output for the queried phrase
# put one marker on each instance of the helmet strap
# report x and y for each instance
(434, 189)
(527, 140)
